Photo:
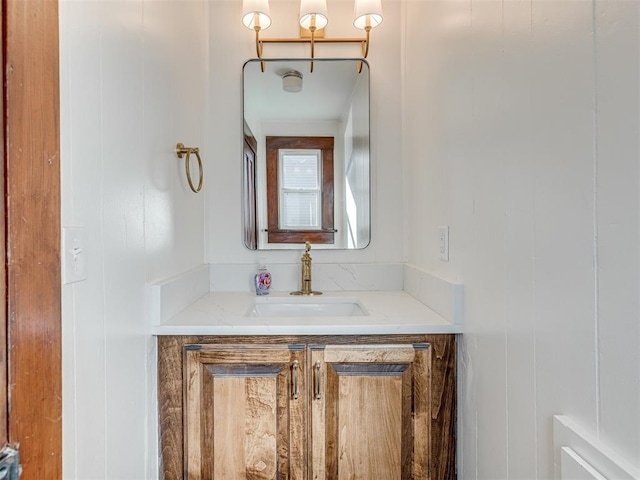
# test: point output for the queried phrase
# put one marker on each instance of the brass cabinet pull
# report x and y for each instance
(316, 389)
(295, 380)
(181, 151)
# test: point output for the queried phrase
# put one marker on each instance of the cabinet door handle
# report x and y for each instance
(316, 389)
(294, 388)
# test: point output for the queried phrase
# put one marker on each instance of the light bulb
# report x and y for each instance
(313, 10)
(368, 13)
(256, 13)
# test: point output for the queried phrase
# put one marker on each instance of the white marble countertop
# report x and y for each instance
(225, 313)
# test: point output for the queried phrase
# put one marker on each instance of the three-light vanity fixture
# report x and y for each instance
(313, 17)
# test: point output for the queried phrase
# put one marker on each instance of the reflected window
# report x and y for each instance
(300, 204)
(300, 173)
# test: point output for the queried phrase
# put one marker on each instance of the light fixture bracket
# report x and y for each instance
(312, 41)
(306, 33)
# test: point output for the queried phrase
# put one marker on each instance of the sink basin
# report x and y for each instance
(306, 307)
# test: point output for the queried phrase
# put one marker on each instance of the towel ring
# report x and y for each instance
(181, 151)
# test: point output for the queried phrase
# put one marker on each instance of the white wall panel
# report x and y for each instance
(134, 81)
(562, 94)
(437, 119)
(507, 110)
(618, 225)
(519, 241)
(487, 265)
(83, 303)
(122, 215)
(230, 48)
(166, 190)
(176, 73)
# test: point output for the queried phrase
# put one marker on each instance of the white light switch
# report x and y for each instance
(74, 255)
(443, 243)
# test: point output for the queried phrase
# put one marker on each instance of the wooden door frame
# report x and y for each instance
(4, 407)
(31, 153)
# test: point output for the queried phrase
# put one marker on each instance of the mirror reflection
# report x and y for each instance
(306, 154)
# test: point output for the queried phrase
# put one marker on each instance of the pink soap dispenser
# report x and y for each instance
(262, 281)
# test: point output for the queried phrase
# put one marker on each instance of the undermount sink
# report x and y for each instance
(314, 306)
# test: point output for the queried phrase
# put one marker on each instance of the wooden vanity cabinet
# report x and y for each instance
(244, 414)
(369, 411)
(321, 408)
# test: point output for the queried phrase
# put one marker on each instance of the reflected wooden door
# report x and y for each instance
(250, 218)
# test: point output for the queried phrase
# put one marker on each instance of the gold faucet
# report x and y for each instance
(305, 288)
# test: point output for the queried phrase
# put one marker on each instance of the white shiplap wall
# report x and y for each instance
(133, 83)
(519, 130)
(521, 133)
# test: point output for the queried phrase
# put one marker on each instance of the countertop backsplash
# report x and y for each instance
(171, 296)
(329, 277)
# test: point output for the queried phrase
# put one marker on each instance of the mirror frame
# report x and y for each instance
(251, 191)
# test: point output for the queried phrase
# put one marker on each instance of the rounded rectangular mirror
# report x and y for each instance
(306, 154)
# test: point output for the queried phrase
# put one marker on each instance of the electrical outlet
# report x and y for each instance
(74, 255)
(443, 243)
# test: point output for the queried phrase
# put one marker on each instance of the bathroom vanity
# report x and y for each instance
(264, 394)
(356, 384)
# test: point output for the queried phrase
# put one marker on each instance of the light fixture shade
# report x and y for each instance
(310, 7)
(256, 12)
(368, 12)
(292, 81)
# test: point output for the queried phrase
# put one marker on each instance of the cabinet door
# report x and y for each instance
(245, 412)
(370, 412)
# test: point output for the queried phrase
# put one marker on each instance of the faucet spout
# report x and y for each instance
(305, 288)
